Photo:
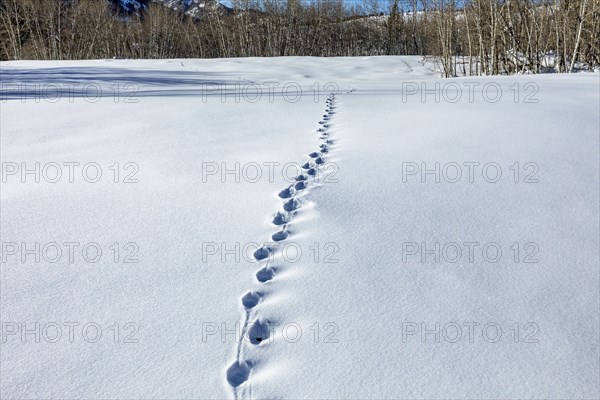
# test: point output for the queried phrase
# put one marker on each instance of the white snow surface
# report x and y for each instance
(356, 299)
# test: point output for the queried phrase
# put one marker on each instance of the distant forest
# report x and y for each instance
(471, 37)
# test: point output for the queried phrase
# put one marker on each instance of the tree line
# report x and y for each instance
(469, 37)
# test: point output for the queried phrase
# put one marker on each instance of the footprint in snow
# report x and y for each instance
(259, 332)
(287, 193)
(265, 274)
(283, 218)
(291, 205)
(251, 299)
(238, 373)
(301, 185)
(279, 236)
(262, 253)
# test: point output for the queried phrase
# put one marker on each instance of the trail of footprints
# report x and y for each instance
(256, 329)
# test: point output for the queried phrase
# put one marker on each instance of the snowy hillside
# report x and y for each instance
(194, 8)
(297, 228)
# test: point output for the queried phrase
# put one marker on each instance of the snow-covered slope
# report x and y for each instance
(194, 8)
(447, 248)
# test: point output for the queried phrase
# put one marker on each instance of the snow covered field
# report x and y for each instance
(447, 246)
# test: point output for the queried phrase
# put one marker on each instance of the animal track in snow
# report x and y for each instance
(301, 185)
(238, 373)
(262, 253)
(259, 332)
(291, 205)
(251, 299)
(287, 193)
(265, 274)
(279, 236)
(283, 218)
(255, 328)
